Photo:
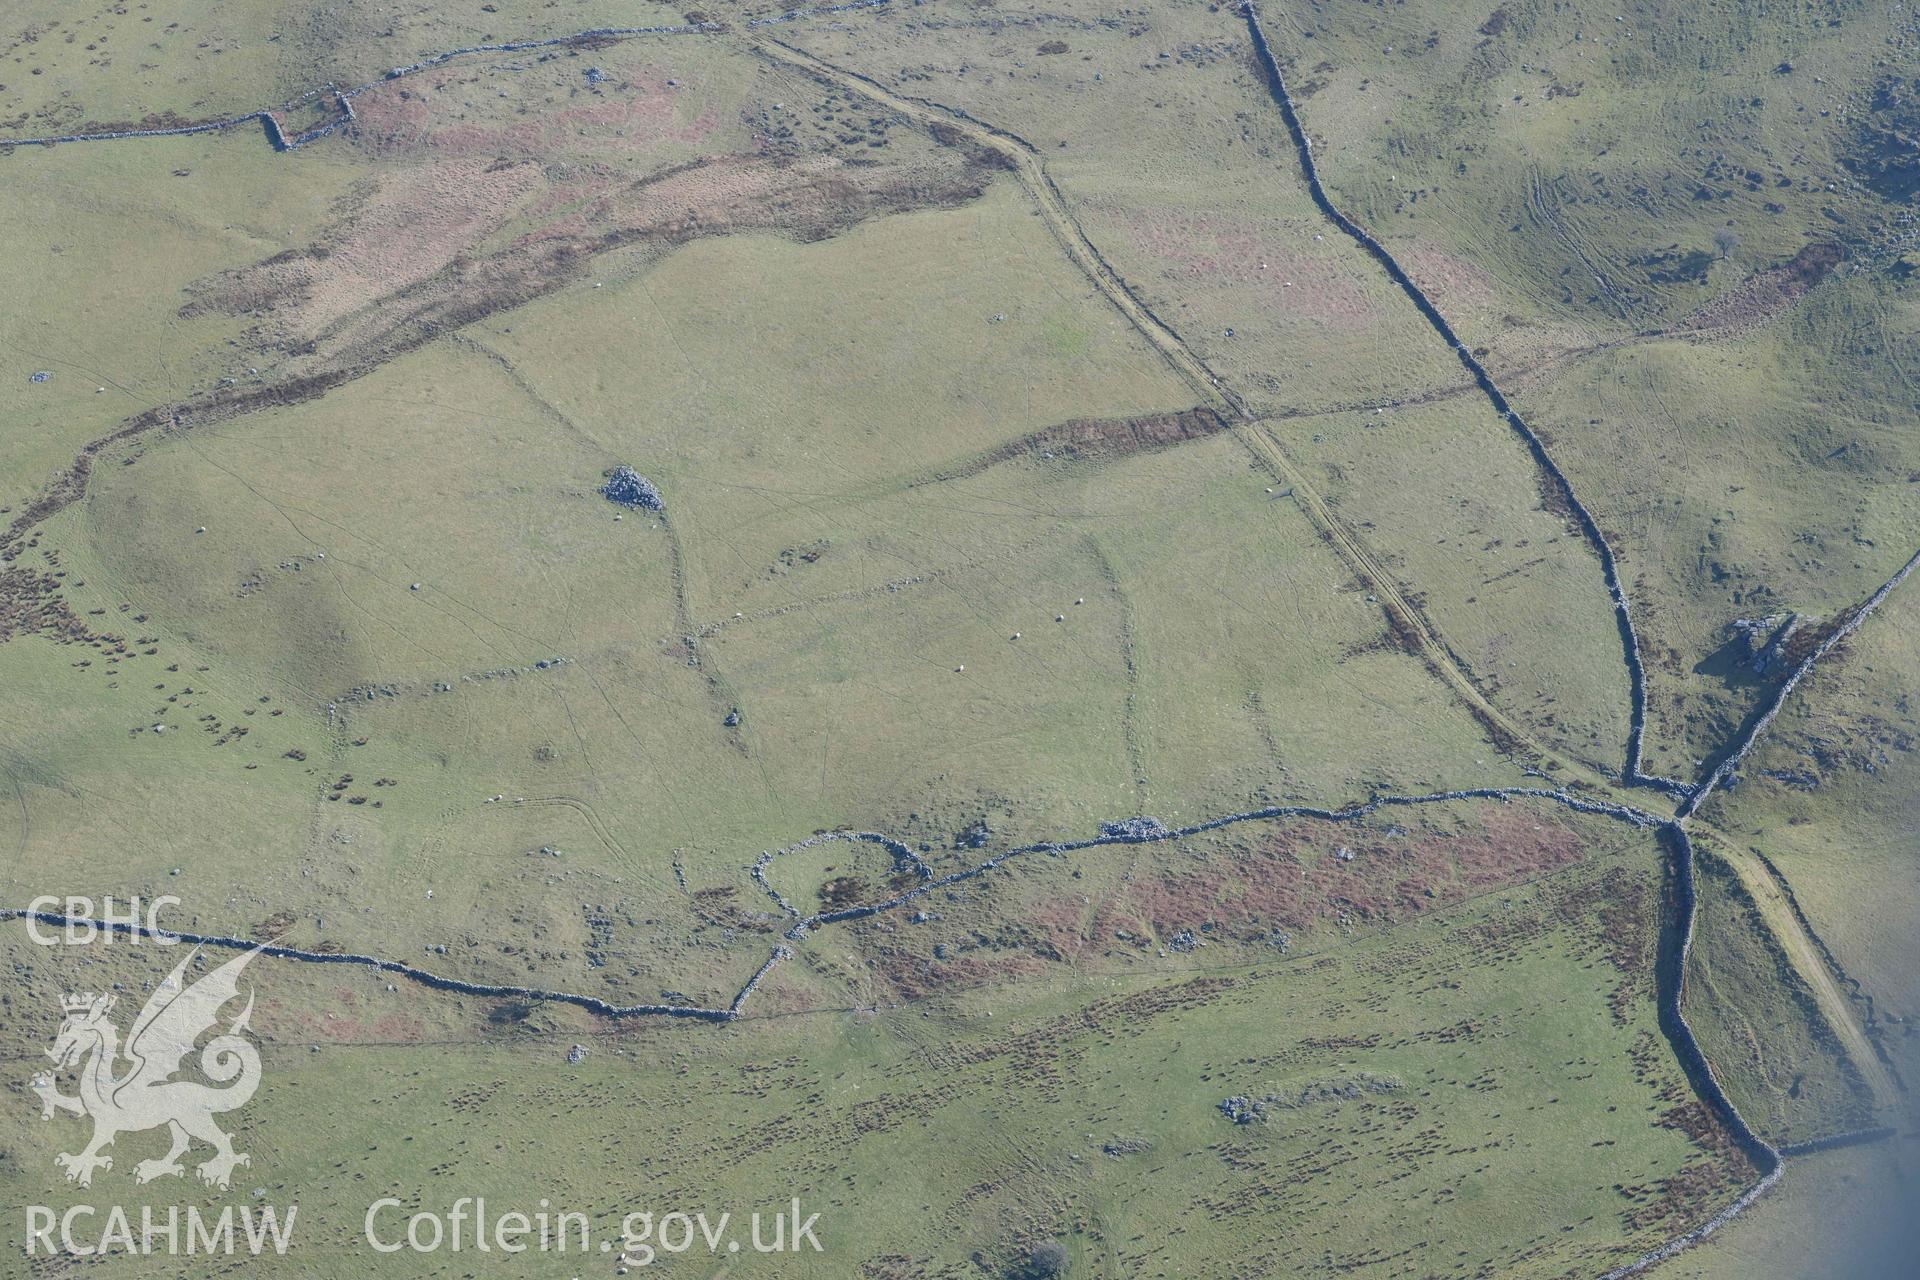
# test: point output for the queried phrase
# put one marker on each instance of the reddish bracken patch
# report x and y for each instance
(1213, 248)
(1293, 877)
(1061, 924)
(635, 113)
(343, 1026)
(1454, 284)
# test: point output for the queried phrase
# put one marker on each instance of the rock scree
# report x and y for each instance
(629, 488)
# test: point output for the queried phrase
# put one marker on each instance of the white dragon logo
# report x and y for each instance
(146, 1095)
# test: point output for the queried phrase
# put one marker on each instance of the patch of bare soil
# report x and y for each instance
(412, 225)
(1761, 297)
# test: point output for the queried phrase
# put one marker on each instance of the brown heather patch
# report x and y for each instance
(1676, 1203)
(30, 605)
(915, 977)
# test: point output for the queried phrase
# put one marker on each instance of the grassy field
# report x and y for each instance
(104, 321)
(1790, 490)
(1448, 494)
(1827, 800)
(1238, 260)
(828, 592)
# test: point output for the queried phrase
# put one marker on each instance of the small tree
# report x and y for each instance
(1726, 240)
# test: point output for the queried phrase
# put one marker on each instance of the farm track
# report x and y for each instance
(1026, 164)
(1809, 960)
(1405, 620)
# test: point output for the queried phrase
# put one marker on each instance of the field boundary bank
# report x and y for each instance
(1837, 1141)
(1589, 527)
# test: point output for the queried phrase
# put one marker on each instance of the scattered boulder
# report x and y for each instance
(1242, 1110)
(1764, 639)
(1345, 1089)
